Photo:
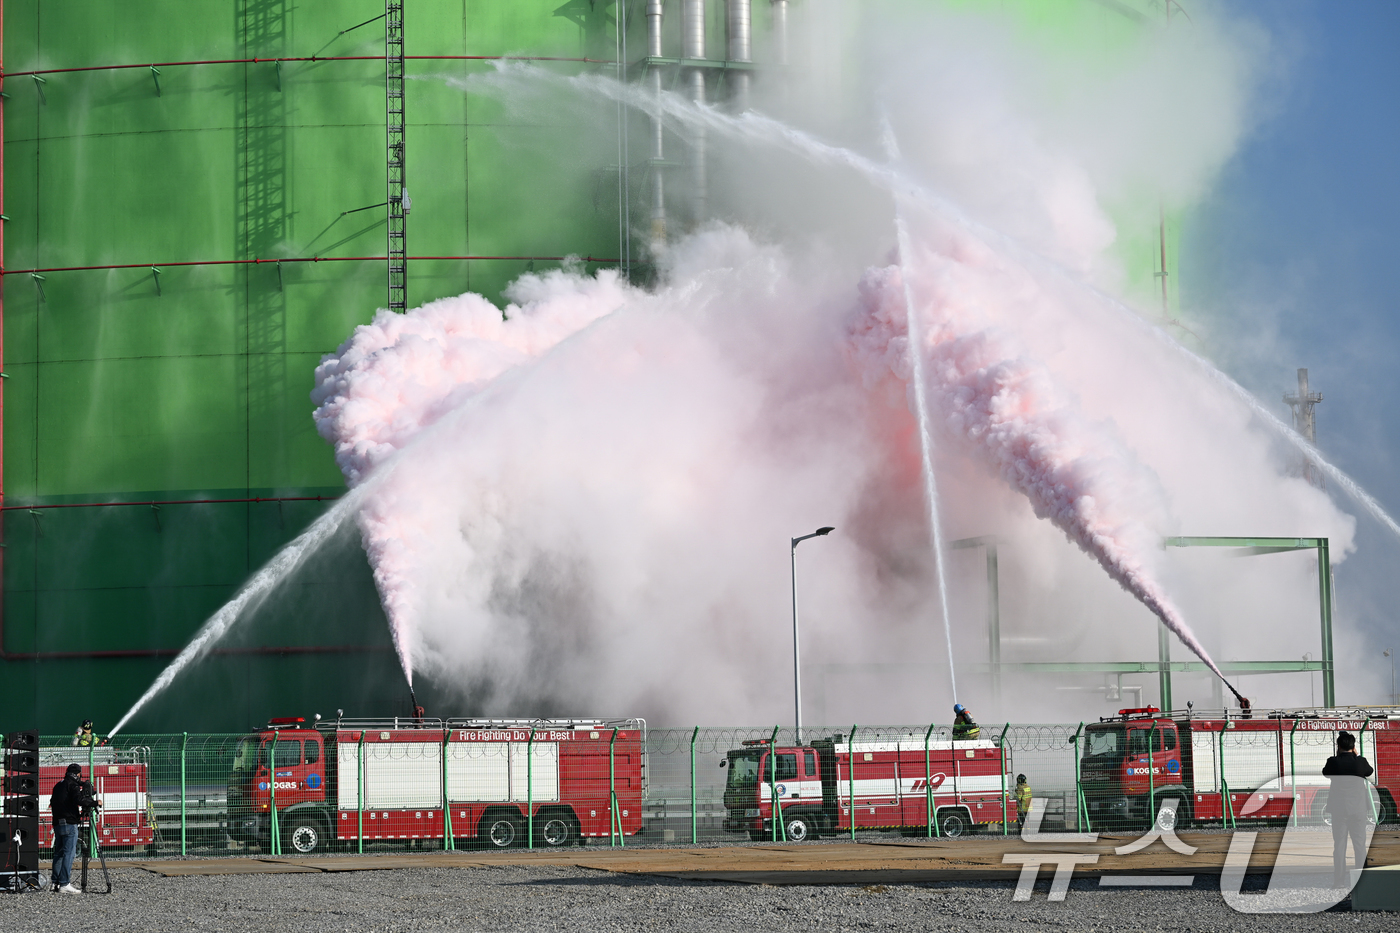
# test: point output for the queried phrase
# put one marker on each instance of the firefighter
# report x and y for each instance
(83, 736)
(1349, 805)
(1023, 799)
(963, 725)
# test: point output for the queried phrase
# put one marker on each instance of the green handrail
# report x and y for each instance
(448, 843)
(694, 828)
(1081, 806)
(1001, 742)
(184, 745)
(274, 830)
(932, 813)
(851, 753)
(776, 807)
(530, 790)
(360, 791)
(1293, 768)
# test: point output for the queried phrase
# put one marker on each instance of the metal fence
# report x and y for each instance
(365, 786)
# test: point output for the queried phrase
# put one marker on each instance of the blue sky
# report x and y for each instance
(1295, 258)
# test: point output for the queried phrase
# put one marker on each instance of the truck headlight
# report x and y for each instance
(751, 812)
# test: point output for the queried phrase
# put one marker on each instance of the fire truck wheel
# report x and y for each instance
(304, 836)
(953, 823)
(1168, 819)
(554, 830)
(799, 829)
(501, 830)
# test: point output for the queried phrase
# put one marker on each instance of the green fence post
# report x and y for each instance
(92, 823)
(274, 844)
(851, 751)
(928, 786)
(1293, 768)
(694, 827)
(447, 842)
(1151, 778)
(360, 791)
(1361, 753)
(776, 808)
(184, 744)
(1227, 806)
(1081, 806)
(530, 790)
(615, 836)
(1001, 744)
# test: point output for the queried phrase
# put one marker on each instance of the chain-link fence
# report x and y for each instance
(363, 786)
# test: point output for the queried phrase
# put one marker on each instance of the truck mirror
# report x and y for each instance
(723, 762)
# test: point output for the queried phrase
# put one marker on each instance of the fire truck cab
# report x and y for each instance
(352, 781)
(893, 782)
(1227, 768)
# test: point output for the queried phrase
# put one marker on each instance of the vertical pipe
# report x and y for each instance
(92, 826)
(693, 47)
(184, 745)
(1227, 806)
(780, 31)
(447, 841)
(740, 49)
(530, 790)
(654, 11)
(273, 830)
(851, 752)
(796, 645)
(1001, 744)
(1151, 777)
(1324, 590)
(1361, 753)
(360, 791)
(694, 828)
(1293, 768)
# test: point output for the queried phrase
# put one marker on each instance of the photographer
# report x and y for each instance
(71, 797)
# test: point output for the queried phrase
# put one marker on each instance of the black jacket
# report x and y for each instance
(67, 801)
(1349, 795)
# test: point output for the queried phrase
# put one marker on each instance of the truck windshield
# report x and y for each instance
(246, 757)
(1104, 743)
(743, 770)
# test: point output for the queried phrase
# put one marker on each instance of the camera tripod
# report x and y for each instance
(91, 845)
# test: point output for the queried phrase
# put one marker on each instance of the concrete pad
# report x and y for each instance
(1377, 889)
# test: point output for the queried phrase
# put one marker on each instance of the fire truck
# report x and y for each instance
(120, 779)
(349, 781)
(1221, 769)
(892, 783)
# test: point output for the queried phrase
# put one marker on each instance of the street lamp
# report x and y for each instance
(796, 655)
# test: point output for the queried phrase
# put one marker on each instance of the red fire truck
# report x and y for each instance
(1219, 769)
(893, 781)
(119, 777)
(346, 780)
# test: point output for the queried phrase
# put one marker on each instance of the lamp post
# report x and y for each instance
(796, 655)
(1394, 697)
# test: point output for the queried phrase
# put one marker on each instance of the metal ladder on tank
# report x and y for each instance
(399, 203)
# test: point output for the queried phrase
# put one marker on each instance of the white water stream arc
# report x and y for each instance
(755, 127)
(251, 595)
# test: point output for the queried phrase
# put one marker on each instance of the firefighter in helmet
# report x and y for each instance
(963, 725)
(1023, 799)
(84, 736)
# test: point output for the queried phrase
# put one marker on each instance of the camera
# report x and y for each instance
(87, 800)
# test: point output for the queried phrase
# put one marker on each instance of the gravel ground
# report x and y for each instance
(529, 899)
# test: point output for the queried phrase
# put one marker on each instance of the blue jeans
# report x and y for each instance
(65, 846)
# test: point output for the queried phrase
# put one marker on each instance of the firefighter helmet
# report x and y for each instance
(959, 708)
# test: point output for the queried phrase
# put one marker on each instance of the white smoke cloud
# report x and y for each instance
(590, 493)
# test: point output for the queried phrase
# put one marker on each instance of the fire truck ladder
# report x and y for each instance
(399, 202)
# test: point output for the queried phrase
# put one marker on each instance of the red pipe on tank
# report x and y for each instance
(248, 262)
